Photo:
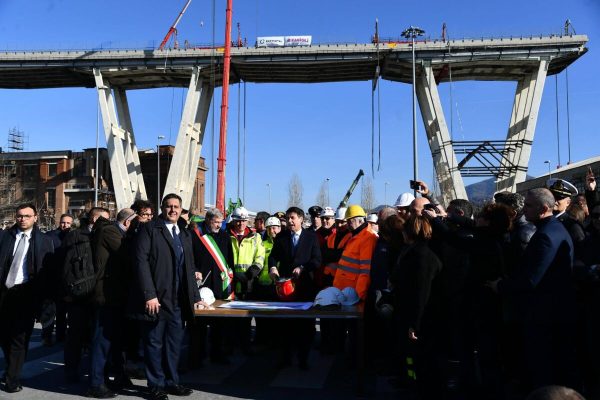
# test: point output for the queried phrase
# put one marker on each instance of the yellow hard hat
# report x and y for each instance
(355, 211)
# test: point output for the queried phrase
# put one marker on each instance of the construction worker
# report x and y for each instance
(354, 267)
(372, 221)
(248, 261)
(327, 225)
(336, 241)
(264, 289)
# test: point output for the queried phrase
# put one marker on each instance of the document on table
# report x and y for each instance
(266, 305)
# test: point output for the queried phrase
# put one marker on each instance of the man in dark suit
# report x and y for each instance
(25, 263)
(543, 286)
(295, 254)
(166, 295)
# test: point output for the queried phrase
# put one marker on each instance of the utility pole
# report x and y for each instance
(411, 33)
(158, 199)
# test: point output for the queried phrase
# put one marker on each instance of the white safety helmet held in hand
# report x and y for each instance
(240, 214)
(327, 212)
(272, 221)
(330, 296)
(350, 296)
(404, 200)
(340, 214)
(207, 295)
(384, 307)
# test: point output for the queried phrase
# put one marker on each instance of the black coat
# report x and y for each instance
(205, 263)
(307, 255)
(39, 260)
(154, 272)
(542, 284)
(111, 263)
(412, 281)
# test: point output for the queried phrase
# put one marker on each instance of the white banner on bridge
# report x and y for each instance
(292, 41)
(270, 41)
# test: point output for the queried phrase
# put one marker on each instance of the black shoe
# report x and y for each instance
(178, 390)
(120, 383)
(100, 392)
(13, 387)
(158, 394)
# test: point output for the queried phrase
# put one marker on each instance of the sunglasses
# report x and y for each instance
(326, 218)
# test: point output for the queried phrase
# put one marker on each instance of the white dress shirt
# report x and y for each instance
(22, 275)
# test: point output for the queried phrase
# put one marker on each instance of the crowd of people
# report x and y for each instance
(459, 303)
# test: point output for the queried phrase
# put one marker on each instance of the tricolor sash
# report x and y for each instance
(226, 273)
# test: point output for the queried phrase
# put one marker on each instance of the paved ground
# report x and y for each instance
(254, 377)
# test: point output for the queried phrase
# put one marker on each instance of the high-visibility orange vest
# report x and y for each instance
(354, 268)
(331, 239)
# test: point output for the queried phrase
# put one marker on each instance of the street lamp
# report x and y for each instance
(385, 185)
(159, 138)
(327, 193)
(411, 33)
(549, 174)
(269, 186)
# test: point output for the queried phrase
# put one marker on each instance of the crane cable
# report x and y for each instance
(244, 151)
(374, 87)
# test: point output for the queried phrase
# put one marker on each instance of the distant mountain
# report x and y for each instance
(483, 191)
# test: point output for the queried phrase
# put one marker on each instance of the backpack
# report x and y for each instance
(78, 273)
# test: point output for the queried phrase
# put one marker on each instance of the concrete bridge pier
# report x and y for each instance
(523, 120)
(127, 177)
(182, 173)
(438, 136)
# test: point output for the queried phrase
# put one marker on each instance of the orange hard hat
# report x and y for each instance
(285, 289)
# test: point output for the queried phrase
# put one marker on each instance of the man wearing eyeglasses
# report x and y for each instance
(25, 263)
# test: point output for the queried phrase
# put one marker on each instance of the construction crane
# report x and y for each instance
(173, 28)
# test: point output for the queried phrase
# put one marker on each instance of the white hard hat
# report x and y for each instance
(350, 296)
(207, 295)
(404, 200)
(384, 304)
(341, 213)
(240, 214)
(327, 212)
(272, 221)
(372, 218)
(330, 296)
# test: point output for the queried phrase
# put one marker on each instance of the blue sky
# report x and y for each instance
(320, 130)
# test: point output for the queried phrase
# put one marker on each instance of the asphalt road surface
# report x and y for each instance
(246, 377)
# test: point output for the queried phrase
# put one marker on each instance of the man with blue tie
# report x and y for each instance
(295, 254)
(25, 261)
(166, 295)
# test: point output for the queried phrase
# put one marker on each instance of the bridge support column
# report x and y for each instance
(184, 166)
(438, 136)
(522, 126)
(127, 179)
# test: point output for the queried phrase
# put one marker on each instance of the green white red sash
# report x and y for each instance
(226, 273)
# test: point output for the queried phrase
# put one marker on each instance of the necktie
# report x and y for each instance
(17, 262)
(178, 257)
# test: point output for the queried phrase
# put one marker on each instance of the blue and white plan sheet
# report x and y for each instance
(266, 305)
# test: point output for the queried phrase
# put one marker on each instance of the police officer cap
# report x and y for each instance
(561, 188)
(315, 211)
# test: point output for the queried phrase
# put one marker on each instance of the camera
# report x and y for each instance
(414, 185)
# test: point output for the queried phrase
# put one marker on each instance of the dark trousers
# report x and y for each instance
(162, 346)
(298, 333)
(107, 340)
(60, 322)
(550, 355)
(17, 313)
(78, 334)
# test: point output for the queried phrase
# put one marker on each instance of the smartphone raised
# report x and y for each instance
(414, 185)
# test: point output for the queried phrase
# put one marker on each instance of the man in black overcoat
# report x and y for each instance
(165, 295)
(25, 270)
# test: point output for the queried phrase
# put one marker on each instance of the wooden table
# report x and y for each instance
(355, 312)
